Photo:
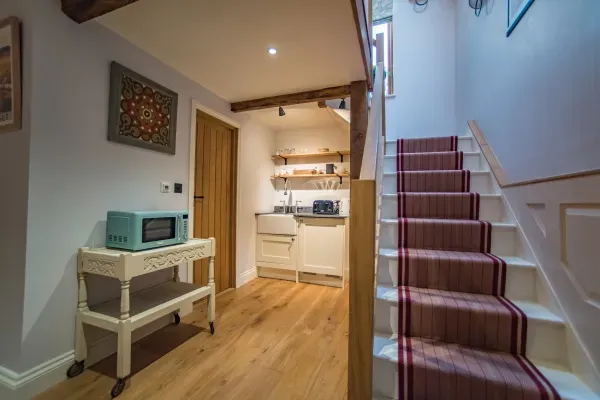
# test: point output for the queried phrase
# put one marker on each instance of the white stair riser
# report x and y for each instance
(464, 144)
(545, 340)
(480, 183)
(471, 161)
(490, 208)
(385, 378)
(520, 281)
(503, 238)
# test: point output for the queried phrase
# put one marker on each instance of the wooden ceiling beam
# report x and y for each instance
(85, 10)
(337, 92)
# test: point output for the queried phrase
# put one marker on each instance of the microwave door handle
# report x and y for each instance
(179, 227)
(181, 236)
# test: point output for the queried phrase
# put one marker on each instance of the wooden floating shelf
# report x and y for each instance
(311, 176)
(337, 153)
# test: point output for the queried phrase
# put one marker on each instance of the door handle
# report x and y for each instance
(198, 197)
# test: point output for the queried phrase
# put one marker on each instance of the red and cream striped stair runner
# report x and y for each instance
(459, 338)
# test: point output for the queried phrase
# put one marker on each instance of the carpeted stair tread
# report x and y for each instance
(425, 145)
(476, 320)
(468, 272)
(445, 234)
(436, 370)
(433, 161)
(439, 205)
(434, 181)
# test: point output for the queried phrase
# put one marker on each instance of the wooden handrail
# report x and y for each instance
(369, 161)
(499, 173)
(364, 28)
(364, 211)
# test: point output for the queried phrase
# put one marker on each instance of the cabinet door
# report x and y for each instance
(321, 246)
(279, 251)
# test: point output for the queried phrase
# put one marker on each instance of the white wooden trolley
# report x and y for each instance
(131, 312)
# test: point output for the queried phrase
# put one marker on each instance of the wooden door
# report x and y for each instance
(321, 246)
(215, 197)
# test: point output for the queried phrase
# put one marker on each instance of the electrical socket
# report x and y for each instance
(165, 187)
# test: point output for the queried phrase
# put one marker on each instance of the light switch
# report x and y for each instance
(165, 187)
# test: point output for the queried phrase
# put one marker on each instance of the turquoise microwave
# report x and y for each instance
(142, 230)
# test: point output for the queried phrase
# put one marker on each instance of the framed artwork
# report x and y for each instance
(10, 75)
(142, 113)
(516, 11)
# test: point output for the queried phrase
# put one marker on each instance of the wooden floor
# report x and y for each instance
(274, 340)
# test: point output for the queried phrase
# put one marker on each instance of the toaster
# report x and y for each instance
(325, 207)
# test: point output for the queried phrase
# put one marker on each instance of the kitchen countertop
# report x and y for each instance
(307, 215)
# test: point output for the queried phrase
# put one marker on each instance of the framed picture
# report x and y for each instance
(142, 113)
(516, 11)
(10, 75)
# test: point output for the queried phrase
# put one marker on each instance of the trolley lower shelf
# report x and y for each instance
(145, 306)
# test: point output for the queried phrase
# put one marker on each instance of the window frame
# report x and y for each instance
(388, 56)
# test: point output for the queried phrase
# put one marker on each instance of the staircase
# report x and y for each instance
(459, 306)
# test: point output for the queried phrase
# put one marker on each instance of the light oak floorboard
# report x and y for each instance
(274, 340)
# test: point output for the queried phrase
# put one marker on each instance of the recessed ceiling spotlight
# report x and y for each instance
(272, 51)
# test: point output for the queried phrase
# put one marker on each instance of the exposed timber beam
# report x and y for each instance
(337, 92)
(84, 10)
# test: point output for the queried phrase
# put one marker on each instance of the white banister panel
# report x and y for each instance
(374, 133)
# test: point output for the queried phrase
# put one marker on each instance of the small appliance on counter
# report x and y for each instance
(326, 207)
(143, 230)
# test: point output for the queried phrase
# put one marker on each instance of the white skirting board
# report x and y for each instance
(246, 277)
(26, 385)
(14, 386)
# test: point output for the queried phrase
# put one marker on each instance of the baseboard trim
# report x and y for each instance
(246, 277)
(14, 386)
(35, 380)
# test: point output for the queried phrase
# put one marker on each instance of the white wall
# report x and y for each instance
(257, 144)
(76, 175)
(308, 190)
(535, 94)
(14, 175)
(424, 71)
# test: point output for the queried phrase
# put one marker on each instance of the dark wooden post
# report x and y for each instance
(359, 117)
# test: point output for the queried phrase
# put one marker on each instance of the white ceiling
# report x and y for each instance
(301, 116)
(222, 44)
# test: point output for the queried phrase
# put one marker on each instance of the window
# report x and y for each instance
(388, 56)
(382, 23)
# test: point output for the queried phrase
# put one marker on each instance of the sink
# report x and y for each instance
(277, 224)
(284, 210)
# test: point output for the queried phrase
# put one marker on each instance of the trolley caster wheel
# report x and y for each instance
(212, 328)
(118, 388)
(75, 369)
(177, 318)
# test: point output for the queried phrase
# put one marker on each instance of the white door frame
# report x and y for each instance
(196, 105)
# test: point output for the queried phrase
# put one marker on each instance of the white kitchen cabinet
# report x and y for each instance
(321, 246)
(276, 251)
